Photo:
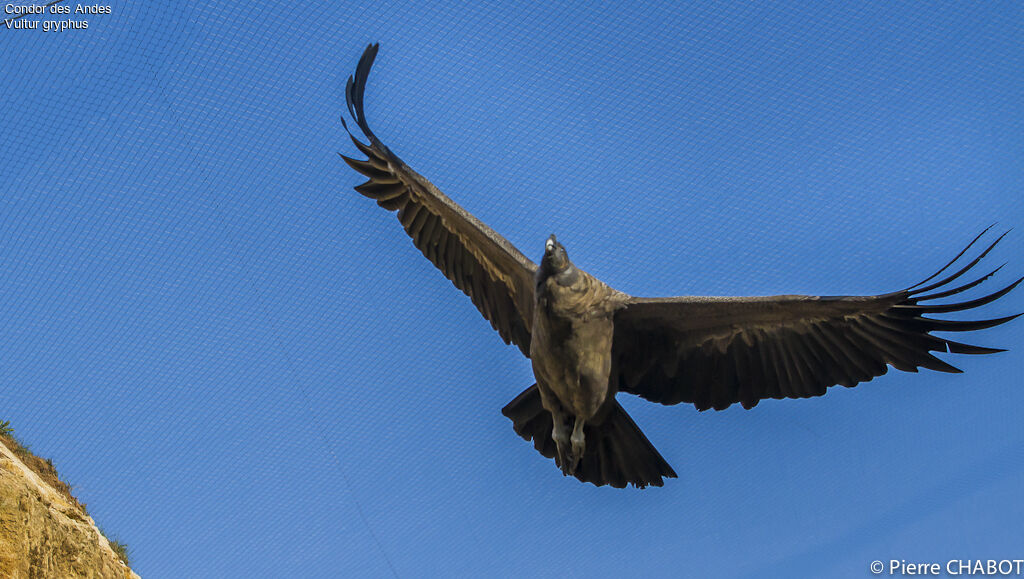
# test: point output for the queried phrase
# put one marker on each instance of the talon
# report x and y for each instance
(575, 460)
(579, 444)
(562, 446)
(564, 459)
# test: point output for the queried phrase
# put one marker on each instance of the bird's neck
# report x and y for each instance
(564, 277)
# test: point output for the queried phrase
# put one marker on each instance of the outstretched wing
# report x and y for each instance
(481, 263)
(714, 351)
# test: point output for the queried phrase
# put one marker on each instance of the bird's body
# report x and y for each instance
(571, 350)
(587, 341)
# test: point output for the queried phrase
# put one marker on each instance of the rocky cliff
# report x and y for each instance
(45, 533)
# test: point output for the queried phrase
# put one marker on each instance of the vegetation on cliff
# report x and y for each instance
(46, 471)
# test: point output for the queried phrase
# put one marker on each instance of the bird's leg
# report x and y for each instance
(578, 443)
(559, 428)
(560, 432)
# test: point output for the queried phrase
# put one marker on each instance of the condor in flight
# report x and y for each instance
(588, 341)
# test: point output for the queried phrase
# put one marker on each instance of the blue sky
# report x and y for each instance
(246, 369)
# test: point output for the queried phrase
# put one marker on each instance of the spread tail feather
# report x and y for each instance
(617, 452)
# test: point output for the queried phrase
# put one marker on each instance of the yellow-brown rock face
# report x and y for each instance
(43, 535)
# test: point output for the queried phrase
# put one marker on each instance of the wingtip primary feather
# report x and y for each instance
(967, 305)
(963, 288)
(959, 273)
(356, 88)
(964, 325)
(933, 363)
(952, 261)
(960, 348)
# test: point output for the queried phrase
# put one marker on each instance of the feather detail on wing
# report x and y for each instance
(477, 260)
(715, 351)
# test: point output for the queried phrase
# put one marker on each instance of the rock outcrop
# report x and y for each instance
(43, 533)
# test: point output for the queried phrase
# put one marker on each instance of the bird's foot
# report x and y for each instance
(578, 448)
(563, 456)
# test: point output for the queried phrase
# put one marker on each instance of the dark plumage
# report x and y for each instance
(587, 341)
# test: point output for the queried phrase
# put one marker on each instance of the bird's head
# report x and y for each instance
(555, 260)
